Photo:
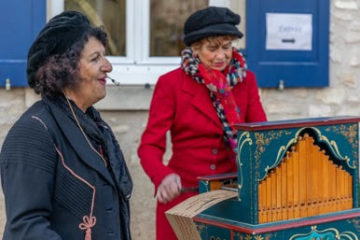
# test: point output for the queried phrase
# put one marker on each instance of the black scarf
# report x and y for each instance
(100, 136)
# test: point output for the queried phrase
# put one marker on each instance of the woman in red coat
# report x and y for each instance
(198, 102)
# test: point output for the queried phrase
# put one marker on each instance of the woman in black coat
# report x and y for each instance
(62, 171)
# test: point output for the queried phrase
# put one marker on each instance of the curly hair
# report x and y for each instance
(60, 71)
(216, 40)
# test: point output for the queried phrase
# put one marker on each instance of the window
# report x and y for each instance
(110, 15)
(166, 25)
(145, 36)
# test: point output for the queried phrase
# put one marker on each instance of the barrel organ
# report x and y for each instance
(296, 180)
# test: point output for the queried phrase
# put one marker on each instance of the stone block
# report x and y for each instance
(346, 5)
(352, 37)
(342, 15)
(319, 111)
(349, 80)
(331, 96)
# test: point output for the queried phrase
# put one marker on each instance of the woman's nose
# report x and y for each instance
(106, 66)
(220, 54)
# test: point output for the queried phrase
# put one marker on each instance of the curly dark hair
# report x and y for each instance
(60, 71)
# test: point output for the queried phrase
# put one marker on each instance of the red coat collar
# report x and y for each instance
(201, 99)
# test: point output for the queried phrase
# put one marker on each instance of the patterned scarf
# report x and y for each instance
(220, 85)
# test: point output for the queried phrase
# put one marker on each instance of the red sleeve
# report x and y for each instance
(255, 111)
(153, 141)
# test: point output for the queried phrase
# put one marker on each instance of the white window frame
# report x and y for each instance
(137, 67)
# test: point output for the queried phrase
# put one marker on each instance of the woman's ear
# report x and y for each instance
(195, 52)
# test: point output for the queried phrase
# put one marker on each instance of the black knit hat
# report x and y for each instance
(58, 35)
(211, 21)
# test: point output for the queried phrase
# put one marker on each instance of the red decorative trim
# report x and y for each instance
(86, 225)
(308, 122)
(41, 121)
(218, 177)
(279, 226)
(88, 221)
(223, 225)
(231, 235)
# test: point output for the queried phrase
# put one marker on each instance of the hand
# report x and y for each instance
(169, 188)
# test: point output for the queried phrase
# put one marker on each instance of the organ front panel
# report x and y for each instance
(306, 183)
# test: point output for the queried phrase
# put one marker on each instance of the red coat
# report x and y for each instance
(184, 107)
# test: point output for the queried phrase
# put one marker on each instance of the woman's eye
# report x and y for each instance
(227, 46)
(96, 58)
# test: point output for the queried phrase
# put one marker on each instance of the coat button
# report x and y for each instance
(214, 151)
(212, 166)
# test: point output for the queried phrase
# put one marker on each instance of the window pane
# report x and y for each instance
(166, 21)
(107, 13)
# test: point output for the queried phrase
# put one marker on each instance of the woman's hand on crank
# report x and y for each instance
(169, 188)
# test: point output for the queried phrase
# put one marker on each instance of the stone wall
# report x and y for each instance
(340, 98)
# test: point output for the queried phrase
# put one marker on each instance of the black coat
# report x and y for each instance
(54, 183)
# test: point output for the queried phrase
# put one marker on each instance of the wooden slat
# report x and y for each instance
(296, 186)
(332, 187)
(324, 182)
(290, 189)
(284, 187)
(309, 193)
(262, 201)
(273, 197)
(316, 180)
(268, 199)
(278, 194)
(301, 145)
(350, 189)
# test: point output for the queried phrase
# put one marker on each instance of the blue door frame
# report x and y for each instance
(288, 67)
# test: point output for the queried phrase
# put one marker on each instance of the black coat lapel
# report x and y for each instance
(79, 144)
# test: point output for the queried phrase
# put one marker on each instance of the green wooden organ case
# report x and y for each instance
(295, 179)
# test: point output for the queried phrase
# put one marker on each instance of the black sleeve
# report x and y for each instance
(27, 165)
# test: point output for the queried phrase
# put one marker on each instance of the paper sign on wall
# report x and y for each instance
(288, 31)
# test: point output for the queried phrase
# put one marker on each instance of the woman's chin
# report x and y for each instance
(99, 96)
